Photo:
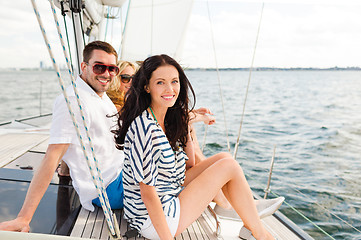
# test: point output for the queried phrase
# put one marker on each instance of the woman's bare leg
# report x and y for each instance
(204, 181)
(219, 199)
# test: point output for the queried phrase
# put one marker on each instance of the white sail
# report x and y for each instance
(155, 27)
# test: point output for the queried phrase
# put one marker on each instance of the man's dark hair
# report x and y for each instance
(98, 45)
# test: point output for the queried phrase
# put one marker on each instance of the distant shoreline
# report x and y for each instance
(221, 69)
(278, 69)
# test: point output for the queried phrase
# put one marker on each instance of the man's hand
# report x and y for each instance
(37, 188)
(16, 225)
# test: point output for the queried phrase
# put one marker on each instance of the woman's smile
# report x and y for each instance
(164, 86)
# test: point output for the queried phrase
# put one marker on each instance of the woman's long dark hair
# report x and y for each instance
(137, 100)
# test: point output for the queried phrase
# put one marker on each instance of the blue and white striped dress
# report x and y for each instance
(150, 159)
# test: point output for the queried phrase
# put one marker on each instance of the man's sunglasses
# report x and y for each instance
(99, 68)
(125, 78)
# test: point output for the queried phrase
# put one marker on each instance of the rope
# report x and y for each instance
(306, 218)
(218, 77)
(204, 138)
(76, 42)
(67, 39)
(106, 212)
(333, 214)
(102, 194)
(106, 26)
(249, 80)
(121, 55)
(82, 31)
(151, 28)
(121, 34)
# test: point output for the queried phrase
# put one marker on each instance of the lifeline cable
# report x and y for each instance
(218, 77)
(298, 212)
(333, 214)
(249, 80)
(306, 218)
(68, 105)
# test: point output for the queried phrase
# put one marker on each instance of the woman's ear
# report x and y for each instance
(146, 88)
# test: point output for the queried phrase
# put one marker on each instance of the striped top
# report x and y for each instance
(150, 159)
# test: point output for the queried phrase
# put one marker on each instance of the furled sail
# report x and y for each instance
(94, 14)
(155, 27)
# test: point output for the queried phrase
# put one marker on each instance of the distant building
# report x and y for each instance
(41, 65)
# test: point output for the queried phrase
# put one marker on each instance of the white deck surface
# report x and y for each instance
(13, 145)
(93, 225)
(23, 145)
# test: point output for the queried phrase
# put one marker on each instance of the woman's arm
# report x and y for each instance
(155, 210)
(189, 150)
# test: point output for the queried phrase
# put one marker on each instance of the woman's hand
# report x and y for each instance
(202, 114)
(155, 210)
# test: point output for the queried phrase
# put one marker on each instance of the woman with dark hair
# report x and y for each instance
(161, 199)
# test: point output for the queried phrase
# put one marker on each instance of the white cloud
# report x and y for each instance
(293, 34)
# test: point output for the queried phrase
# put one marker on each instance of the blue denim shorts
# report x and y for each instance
(115, 193)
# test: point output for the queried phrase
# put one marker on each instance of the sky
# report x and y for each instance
(292, 33)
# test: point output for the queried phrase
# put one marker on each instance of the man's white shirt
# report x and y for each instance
(99, 116)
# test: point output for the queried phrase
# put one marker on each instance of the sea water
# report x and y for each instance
(311, 118)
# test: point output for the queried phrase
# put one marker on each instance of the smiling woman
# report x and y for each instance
(164, 190)
(121, 84)
(163, 88)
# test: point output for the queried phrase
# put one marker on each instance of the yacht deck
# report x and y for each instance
(25, 150)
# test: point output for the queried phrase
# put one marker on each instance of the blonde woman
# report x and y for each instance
(122, 83)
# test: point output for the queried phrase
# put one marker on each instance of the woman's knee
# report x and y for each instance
(223, 155)
(230, 164)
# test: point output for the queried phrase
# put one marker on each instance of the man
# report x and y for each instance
(99, 68)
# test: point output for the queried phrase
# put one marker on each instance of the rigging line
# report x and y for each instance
(151, 28)
(123, 30)
(106, 26)
(67, 39)
(76, 42)
(40, 96)
(121, 33)
(112, 29)
(63, 13)
(106, 206)
(249, 80)
(346, 180)
(218, 76)
(204, 138)
(81, 26)
(110, 223)
(327, 210)
(303, 216)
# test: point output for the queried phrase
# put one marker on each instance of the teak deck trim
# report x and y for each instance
(13, 145)
(93, 225)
